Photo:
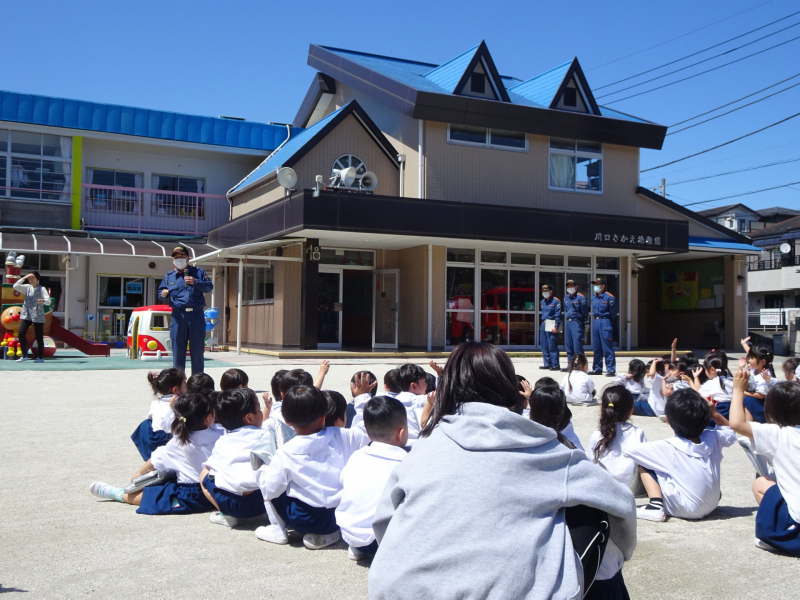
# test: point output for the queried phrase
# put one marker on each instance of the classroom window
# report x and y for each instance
(258, 285)
(35, 166)
(576, 165)
(501, 139)
(116, 200)
(184, 203)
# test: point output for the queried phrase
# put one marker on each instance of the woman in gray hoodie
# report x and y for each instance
(476, 510)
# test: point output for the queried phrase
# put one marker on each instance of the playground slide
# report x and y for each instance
(59, 333)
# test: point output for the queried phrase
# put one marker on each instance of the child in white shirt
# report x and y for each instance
(634, 379)
(578, 386)
(412, 382)
(302, 485)
(718, 386)
(548, 407)
(654, 405)
(682, 474)
(151, 433)
(791, 369)
(762, 377)
(366, 473)
(227, 479)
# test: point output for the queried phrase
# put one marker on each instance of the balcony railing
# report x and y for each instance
(777, 263)
(143, 210)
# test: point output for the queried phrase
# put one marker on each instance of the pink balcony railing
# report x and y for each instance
(143, 210)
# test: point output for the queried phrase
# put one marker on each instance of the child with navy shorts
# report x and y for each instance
(228, 480)
(192, 442)
(633, 380)
(366, 473)
(762, 377)
(718, 386)
(682, 474)
(778, 440)
(198, 382)
(154, 432)
(302, 483)
(654, 405)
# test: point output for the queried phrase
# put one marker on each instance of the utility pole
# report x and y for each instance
(663, 187)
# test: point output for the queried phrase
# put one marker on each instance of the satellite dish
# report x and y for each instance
(785, 248)
(287, 178)
(369, 181)
(347, 177)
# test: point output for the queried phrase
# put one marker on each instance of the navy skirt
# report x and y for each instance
(756, 408)
(775, 526)
(304, 518)
(146, 440)
(174, 499)
(234, 505)
(608, 589)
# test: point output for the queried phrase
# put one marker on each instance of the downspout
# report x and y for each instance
(239, 308)
(628, 303)
(421, 161)
(430, 297)
(401, 158)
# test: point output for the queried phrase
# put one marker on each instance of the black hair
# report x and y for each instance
(430, 383)
(233, 378)
(275, 384)
(163, 382)
(615, 407)
(520, 379)
(234, 405)
(790, 366)
(661, 367)
(38, 277)
(370, 378)
(383, 415)
(294, 378)
(408, 374)
(337, 408)
(390, 381)
(474, 372)
(191, 410)
(782, 404)
(637, 369)
(716, 362)
(690, 358)
(199, 382)
(549, 407)
(545, 382)
(762, 352)
(578, 362)
(687, 412)
(303, 405)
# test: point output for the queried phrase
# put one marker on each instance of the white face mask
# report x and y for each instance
(545, 295)
(180, 263)
(571, 291)
(596, 289)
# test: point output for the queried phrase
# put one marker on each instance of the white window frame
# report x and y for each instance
(487, 143)
(575, 154)
(253, 301)
(7, 157)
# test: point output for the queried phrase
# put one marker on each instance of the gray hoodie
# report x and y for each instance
(476, 511)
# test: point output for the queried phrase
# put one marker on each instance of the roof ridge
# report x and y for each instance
(447, 62)
(569, 62)
(405, 60)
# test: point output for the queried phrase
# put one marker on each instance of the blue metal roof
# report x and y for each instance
(542, 88)
(718, 244)
(447, 75)
(142, 122)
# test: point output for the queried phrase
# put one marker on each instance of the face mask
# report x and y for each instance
(545, 295)
(596, 289)
(570, 291)
(180, 263)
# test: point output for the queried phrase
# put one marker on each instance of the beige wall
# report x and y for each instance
(735, 306)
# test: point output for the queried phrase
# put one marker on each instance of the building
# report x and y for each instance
(482, 188)
(745, 220)
(773, 278)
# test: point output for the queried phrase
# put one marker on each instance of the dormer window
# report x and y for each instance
(477, 83)
(571, 97)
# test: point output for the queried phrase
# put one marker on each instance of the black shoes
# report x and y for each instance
(611, 374)
(544, 368)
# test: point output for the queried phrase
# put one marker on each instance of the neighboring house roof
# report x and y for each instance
(722, 210)
(142, 122)
(299, 145)
(784, 228)
(777, 211)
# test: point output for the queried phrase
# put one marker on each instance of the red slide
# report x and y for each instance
(58, 332)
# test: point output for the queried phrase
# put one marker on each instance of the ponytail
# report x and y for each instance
(163, 382)
(765, 353)
(617, 404)
(191, 411)
(578, 362)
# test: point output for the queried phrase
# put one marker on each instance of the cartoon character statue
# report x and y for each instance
(14, 266)
(10, 320)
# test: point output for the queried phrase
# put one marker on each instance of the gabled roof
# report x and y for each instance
(791, 225)
(721, 210)
(548, 87)
(141, 122)
(299, 145)
(454, 74)
(775, 211)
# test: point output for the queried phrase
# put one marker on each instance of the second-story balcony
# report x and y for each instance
(141, 210)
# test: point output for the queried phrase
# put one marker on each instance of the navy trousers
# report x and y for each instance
(603, 345)
(188, 327)
(574, 338)
(549, 348)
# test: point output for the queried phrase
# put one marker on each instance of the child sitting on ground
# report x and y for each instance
(337, 409)
(578, 386)
(151, 433)
(197, 383)
(362, 388)
(366, 473)
(654, 405)
(192, 442)
(778, 440)
(302, 483)
(791, 369)
(228, 481)
(390, 384)
(412, 382)
(549, 408)
(762, 377)
(718, 386)
(633, 381)
(682, 474)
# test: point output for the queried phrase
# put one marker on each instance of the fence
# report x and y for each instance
(768, 319)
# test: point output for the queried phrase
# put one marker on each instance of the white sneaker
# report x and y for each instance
(223, 519)
(22, 359)
(314, 541)
(648, 514)
(354, 554)
(663, 418)
(96, 488)
(765, 546)
(272, 534)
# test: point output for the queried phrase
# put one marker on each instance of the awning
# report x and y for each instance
(250, 251)
(717, 245)
(56, 242)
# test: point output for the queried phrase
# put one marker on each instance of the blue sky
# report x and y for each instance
(248, 59)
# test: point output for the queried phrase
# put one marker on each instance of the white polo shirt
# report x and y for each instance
(229, 463)
(186, 460)
(781, 445)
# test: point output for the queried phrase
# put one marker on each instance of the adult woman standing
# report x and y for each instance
(32, 313)
(476, 510)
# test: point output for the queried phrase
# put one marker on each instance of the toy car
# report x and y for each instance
(148, 333)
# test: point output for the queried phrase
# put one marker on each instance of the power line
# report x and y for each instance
(677, 60)
(704, 72)
(735, 109)
(723, 144)
(777, 187)
(708, 112)
(699, 62)
(679, 36)
(772, 164)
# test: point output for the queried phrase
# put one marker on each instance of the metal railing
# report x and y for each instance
(768, 319)
(144, 210)
(776, 263)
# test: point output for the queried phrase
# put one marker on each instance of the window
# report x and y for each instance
(113, 200)
(576, 165)
(348, 258)
(571, 97)
(258, 285)
(477, 83)
(493, 257)
(345, 161)
(487, 138)
(180, 197)
(462, 255)
(580, 262)
(35, 166)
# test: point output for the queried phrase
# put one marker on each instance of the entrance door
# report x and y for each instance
(329, 310)
(387, 297)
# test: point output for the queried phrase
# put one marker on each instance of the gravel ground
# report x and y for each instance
(62, 430)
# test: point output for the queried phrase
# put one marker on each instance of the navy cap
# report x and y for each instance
(599, 281)
(572, 281)
(180, 250)
(546, 288)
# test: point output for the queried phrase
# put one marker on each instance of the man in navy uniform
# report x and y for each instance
(604, 313)
(185, 286)
(576, 309)
(551, 310)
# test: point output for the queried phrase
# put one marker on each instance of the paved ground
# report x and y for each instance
(62, 430)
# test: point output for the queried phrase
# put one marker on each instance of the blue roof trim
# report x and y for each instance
(447, 75)
(542, 88)
(718, 244)
(126, 120)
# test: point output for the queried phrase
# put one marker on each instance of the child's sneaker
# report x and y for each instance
(650, 514)
(765, 546)
(272, 534)
(314, 541)
(223, 519)
(354, 554)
